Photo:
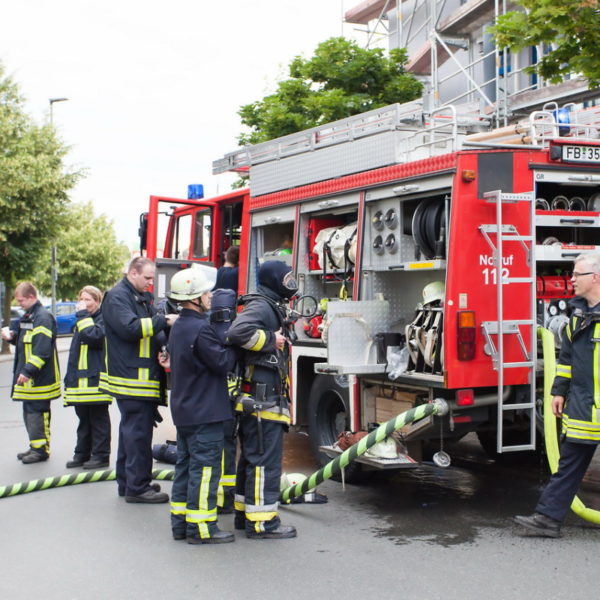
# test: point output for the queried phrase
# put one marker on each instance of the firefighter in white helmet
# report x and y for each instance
(200, 406)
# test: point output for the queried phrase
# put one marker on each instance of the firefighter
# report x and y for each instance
(81, 384)
(201, 408)
(577, 380)
(223, 311)
(134, 335)
(264, 403)
(36, 376)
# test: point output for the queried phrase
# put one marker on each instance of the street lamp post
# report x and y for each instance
(53, 273)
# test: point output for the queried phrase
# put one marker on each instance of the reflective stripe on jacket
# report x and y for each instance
(578, 374)
(86, 360)
(133, 331)
(36, 356)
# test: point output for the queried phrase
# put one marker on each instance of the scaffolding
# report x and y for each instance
(451, 51)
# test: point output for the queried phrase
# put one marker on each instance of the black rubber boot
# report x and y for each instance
(20, 455)
(282, 532)
(75, 462)
(149, 497)
(216, 537)
(95, 463)
(34, 457)
(540, 525)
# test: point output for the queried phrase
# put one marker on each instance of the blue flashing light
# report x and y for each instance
(195, 191)
(562, 115)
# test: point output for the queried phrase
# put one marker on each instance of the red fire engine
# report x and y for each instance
(434, 252)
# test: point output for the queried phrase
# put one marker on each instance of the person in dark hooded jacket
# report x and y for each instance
(264, 403)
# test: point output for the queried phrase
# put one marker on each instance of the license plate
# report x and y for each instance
(583, 154)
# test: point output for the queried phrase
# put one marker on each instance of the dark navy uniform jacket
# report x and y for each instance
(578, 374)
(133, 340)
(36, 356)
(86, 360)
(199, 367)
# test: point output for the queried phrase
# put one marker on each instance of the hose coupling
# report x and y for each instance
(442, 407)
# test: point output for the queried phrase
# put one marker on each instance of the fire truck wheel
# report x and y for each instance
(328, 416)
(487, 439)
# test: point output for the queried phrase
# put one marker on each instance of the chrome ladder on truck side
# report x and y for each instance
(501, 327)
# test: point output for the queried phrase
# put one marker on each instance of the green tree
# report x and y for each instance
(87, 252)
(571, 29)
(33, 188)
(340, 80)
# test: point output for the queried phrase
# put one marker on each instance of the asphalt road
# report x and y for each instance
(423, 534)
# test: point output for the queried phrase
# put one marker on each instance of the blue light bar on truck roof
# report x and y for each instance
(195, 191)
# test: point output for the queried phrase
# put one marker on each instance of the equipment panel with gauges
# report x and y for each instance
(407, 233)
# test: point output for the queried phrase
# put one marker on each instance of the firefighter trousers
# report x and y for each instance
(36, 416)
(226, 490)
(259, 475)
(196, 480)
(134, 456)
(558, 495)
(93, 432)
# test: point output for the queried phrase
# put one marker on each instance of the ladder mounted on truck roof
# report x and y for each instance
(419, 128)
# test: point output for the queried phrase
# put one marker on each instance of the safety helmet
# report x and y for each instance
(433, 291)
(191, 283)
(289, 479)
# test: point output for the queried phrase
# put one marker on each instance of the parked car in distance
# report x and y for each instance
(16, 312)
(65, 317)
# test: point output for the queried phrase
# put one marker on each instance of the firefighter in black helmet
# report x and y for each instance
(264, 402)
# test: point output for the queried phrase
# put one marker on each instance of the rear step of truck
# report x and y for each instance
(402, 461)
(500, 328)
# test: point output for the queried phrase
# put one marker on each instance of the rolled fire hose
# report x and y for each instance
(437, 407)
(550, 433)
(73, 479)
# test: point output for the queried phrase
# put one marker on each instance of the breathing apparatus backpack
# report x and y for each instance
(222, 314)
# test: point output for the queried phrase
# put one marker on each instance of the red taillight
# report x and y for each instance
(463, 419)
(465, 397)
(465, 334)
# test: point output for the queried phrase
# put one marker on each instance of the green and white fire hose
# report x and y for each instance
(73, 479)
(437, 407)
(550, 430)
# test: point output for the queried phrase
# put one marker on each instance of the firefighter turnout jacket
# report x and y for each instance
(254, 331)
(36, 356)
(578, 374)
(132, 327)
(199, 366)
(86, 360)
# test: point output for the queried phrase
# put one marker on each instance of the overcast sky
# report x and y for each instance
(154, 87)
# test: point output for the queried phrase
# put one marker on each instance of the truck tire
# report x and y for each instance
(487, 439)
(328, 416)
